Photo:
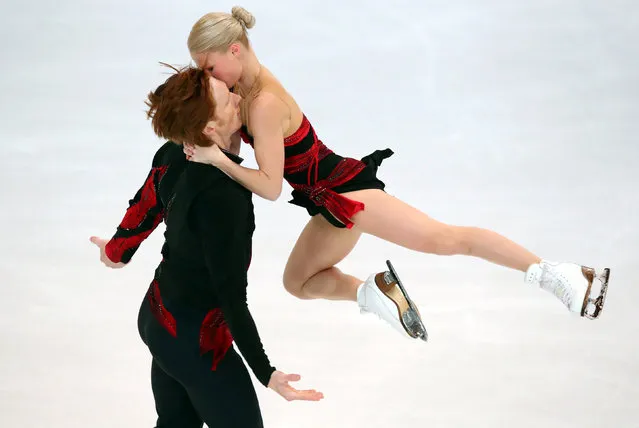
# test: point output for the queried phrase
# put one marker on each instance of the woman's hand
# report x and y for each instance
(211, 155)
(101, 243)
(279, 383)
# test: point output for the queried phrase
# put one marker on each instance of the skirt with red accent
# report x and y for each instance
(365, 179)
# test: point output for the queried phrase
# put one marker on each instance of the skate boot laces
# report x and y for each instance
(555, 282)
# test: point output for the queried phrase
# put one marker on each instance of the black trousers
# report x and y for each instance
(187, 392)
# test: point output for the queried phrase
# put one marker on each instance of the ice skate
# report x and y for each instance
(384, 295)
(573, 284)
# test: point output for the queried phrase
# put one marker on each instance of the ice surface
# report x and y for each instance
(516, 116)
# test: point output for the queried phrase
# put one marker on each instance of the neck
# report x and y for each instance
(222, 143)
(250, 72)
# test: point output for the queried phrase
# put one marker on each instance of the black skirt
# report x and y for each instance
(365, 179)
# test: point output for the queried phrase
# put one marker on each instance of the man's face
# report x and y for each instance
(227, 118)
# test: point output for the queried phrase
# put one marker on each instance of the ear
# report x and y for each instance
(209, 129)
(235, 49)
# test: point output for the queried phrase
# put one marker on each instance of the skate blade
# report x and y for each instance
(409, 314)
(593, 306)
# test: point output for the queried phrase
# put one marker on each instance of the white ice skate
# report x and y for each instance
(384, 295)
(572, 284)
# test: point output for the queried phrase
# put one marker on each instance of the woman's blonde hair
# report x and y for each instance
(216, 31)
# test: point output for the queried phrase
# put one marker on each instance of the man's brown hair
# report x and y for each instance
(180, 108)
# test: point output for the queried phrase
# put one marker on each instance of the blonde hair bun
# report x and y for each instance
(245, 17)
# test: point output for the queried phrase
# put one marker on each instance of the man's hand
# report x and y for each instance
(279, 383)
(101, 243)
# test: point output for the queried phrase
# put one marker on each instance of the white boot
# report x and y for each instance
(570, 283)
(381, 294)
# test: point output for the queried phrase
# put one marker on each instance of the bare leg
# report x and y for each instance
(395, 221)
(310, 272)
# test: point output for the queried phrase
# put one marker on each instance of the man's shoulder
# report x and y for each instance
(206, 182)
(168, 153)
(222, 188)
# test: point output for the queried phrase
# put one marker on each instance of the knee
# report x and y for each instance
(447, 240)
(293, 284)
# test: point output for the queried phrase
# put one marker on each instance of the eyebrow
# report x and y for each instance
(206, 63)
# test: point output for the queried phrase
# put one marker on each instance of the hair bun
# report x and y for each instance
(243, 16)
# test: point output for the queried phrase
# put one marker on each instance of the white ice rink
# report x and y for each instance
(519, 116)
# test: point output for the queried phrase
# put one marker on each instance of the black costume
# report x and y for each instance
(319, 176)
(196, 304)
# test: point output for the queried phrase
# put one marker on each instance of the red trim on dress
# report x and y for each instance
(320, 191)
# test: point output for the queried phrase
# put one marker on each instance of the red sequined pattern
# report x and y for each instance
(321, 193)
(215, 335)
(144, 204)
(160, 312)
(320, 190)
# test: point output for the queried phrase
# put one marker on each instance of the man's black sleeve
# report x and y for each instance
(223, 218)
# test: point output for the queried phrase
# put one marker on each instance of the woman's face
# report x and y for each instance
(225, 66)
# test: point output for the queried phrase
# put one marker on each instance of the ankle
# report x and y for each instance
(534, 273)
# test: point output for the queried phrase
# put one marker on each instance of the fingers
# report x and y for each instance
(98, 241)
(292, 394)
(189, 151)
(293, 377)
(303, 395)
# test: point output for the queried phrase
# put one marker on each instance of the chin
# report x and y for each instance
(232, 81)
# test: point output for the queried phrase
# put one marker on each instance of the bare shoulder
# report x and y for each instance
(268, 99)
(268, 106)
(273, 107)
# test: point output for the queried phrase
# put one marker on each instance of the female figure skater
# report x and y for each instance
(343, 195)
(196, 304)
